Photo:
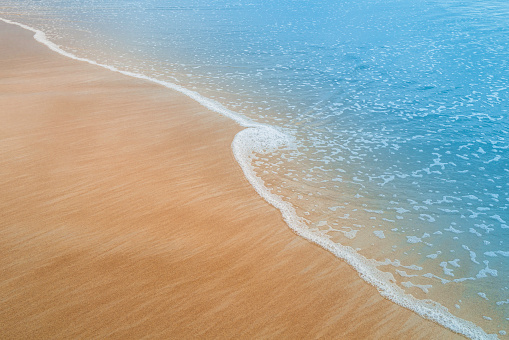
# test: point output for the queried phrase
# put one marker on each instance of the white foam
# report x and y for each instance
(397, 263)
(483, 295)
(430, 275)
(454, 263)
(262, 139)
(483, 272)
(453, 230)
(426, 217)
(473, 255)
(434, 256)
(498, 218)
(424, 288)
(413, 239)
(404, 273)
(447, 271)
(350, 234)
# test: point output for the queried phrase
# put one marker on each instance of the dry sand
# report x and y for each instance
(125, 215)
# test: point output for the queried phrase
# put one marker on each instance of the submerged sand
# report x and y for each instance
(125, 215)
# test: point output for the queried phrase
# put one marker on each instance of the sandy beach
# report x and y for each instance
(124, 215)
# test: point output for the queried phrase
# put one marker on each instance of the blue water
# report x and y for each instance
(397, 113)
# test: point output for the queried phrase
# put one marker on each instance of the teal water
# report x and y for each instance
(394, 116)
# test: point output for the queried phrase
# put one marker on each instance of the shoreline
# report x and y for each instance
(135, 199)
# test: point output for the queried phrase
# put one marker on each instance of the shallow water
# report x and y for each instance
(396, 115)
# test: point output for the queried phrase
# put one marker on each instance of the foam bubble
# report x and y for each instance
(413, 239)
(483, 295)
(424, 288)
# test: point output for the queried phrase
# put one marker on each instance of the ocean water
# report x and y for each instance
(380, 129)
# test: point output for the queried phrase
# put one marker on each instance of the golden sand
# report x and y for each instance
(124, 215)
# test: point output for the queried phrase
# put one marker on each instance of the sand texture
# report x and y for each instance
(124, 215)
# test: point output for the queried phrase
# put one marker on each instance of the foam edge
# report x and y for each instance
(243, 151)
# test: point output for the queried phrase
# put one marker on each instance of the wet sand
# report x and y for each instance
(124, 215)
